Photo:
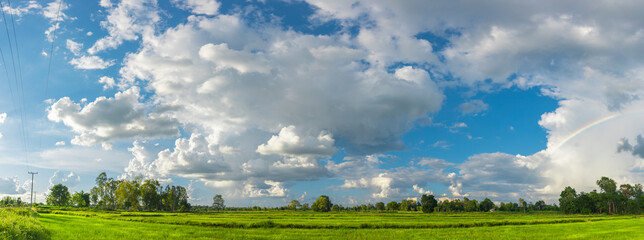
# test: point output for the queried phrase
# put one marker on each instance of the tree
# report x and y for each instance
(380, 206)
(294, 205)
(128, 194)
(539, 205)
(59, 196)
(305, 207)
(80, 199)
(522, 204)
(609, 188)
(322, 204)
(567, 200)
(218, 202)
(470, 205)
(392, 206)
(175, 198)
(486, 205)
(150, 195)
(428, 203)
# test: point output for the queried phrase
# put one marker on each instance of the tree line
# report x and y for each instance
(627, 199)
(133, 195)
(149, 195)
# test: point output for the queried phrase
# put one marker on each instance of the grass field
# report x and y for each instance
(307, 225)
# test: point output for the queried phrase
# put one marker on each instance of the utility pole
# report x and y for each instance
(32, 187)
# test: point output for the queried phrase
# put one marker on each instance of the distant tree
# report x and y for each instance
(522, 204)
(305, 207)
(380, 206)
(128, 194)
(294, 205)
(59, 196)
(567, 200)
(486, 205)
(470, 205)
(609, 189)
(150, 195)
(539, 205)
(322, 204)
(393, 206)
(175, 198)
(218, 203)
(335, 208)
(80, 199)
(405, 205)
(428, 203)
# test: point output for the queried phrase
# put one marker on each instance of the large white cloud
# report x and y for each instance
(11, 186)
(125, 22)
(267, 104)
(66, 178)
(109, 119)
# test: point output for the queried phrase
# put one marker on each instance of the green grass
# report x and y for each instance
(310, 225)
(20, 223)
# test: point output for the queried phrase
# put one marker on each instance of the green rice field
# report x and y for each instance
(337, 225)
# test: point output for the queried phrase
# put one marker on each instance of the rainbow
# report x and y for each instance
(564, 141)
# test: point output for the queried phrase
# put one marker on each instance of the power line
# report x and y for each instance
(19, 86)
(51, 50)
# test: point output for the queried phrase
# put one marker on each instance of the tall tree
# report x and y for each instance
(80, 199)
(322, 204)
(486, 205)
(608, 189)
(567, 200)
(218, 202)
(150, 195)
(428, 203)
(59, 196)
(294, 205)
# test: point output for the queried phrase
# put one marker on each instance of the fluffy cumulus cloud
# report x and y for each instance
(69, 179)
(126, 21)
(11, 186)
(108, 119)
(266, 105)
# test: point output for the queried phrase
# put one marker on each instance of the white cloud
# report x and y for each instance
(125, 22)
(90, 62)
(74, 47)
(267, 189)
(473, 107)
(55, 12)
(288, 143)
(11, 186)
(60, 143)
(208, 7)
(89, 33)
(68, 179)
(109, 119)
(25, 8)
(420, 190)
(107, 82)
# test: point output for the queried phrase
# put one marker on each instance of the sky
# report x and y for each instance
(363, 101)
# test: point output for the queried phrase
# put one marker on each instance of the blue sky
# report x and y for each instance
(364, 101)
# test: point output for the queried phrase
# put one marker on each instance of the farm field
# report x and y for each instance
(343, 225)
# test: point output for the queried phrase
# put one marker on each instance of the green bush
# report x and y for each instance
(20, 223)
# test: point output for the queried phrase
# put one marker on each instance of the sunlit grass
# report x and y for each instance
(310, 225)
(20, 223)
